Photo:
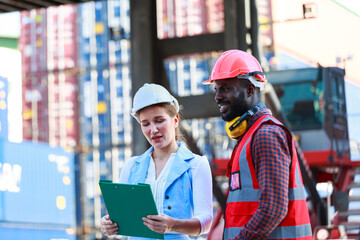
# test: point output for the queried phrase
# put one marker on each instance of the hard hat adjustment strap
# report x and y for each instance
(260, 76)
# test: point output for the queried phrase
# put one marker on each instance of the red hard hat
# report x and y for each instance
(237, 63)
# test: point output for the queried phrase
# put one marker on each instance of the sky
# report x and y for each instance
(13, 28)
(354, 5)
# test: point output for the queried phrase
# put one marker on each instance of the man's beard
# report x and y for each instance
(237, 108)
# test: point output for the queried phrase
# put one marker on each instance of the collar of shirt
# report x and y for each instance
(256, 116)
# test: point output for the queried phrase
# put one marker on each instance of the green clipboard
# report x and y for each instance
(127, 204)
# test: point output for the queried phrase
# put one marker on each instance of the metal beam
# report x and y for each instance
(235, 24)
(199, 106)
(254, 30)
(28, 5)
(38, 3)
(194, 44)
(143, 67)
(9, 7)
(13, 5)
(241, 24)
(4, 9)
(231, 30)
(61, 2)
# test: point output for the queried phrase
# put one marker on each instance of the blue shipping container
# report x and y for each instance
(3, 108)
(93, 36)
(95, 109)
(37, 184)
(38, 234)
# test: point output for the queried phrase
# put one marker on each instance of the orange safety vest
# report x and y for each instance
(243, 199)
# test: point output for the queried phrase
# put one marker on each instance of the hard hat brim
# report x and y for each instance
(252, 79)
(207, 82)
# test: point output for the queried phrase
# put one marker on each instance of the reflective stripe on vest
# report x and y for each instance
(251, 195)
(244, 194)
(302, 231)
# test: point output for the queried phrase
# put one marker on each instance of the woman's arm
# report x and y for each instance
(202, 198)
(164, 224)
(202, 193)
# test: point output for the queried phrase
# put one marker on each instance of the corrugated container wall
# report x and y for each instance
(62, 32)
(37, 187)
(49, 54)
(33, 40)
(181, 18)
(32, 43)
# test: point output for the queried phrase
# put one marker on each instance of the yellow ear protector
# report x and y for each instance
(237, 127)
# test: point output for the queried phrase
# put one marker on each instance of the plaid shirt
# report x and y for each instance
(271, 153)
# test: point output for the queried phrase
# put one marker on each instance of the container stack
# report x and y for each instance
(76, 84)
(104, 73)
(49, 49)
(32, 43)
(182, 18)
(105, 100)
(215, 16)
(62, 31)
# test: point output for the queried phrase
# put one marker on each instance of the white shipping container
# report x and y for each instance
(10, 68)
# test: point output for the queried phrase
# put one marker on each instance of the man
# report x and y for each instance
(266, 198)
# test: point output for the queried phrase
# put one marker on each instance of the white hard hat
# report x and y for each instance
(151, 94)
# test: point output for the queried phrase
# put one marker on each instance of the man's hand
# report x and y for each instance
(108, 228)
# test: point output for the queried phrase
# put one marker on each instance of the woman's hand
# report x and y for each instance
(159, 223)
(108, 228)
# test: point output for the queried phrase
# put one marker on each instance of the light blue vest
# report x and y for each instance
(178, 197)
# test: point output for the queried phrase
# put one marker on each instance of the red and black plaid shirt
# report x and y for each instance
(271, 153)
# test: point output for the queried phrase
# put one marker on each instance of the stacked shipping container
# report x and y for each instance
(182, 18)
(50, 107)
(32, 46)
(105, 88)
(37, 191)
(61, 75)
(48, 46)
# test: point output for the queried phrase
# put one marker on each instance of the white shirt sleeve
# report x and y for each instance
(125, 171)
(202, 192)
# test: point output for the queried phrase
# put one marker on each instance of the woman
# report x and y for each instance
(180, 180)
